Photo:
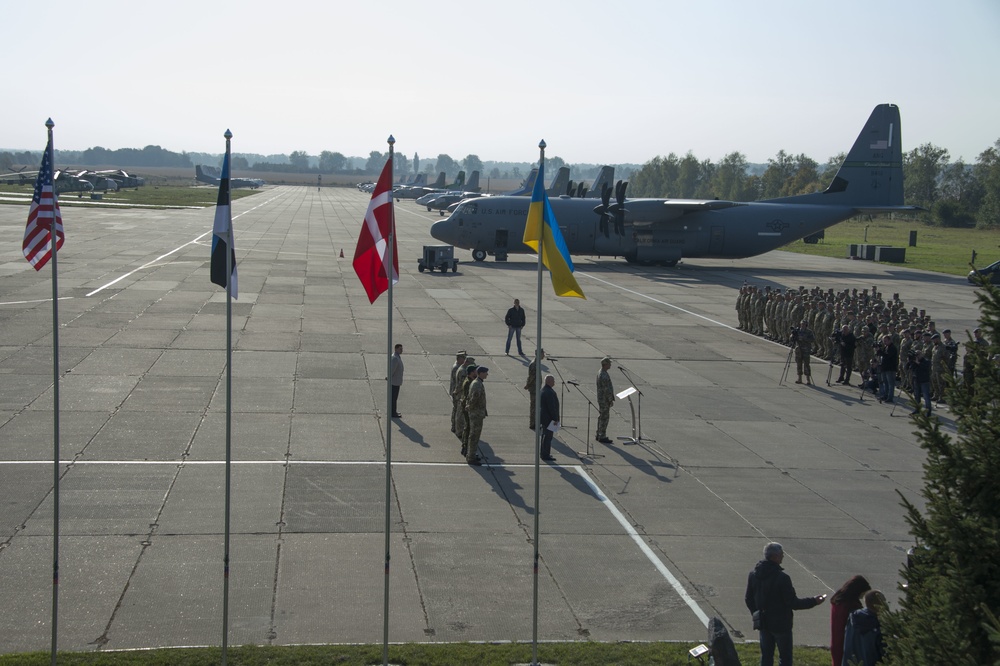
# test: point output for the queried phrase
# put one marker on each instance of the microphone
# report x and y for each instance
(573, 382)
(621, 368)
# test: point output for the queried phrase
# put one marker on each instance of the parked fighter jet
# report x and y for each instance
(664, 231)
(210, 175)
(417, 191)
(526, 187)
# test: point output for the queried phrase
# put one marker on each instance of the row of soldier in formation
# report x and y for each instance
(469, 402)
(863, 332)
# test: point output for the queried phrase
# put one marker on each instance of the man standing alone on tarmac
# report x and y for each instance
(515, 321)
(605, 398)
(396, 377)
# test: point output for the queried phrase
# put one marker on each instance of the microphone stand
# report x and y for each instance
(637, 437)
(588, 453)
(562, 393)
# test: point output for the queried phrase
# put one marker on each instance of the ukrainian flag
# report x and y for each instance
(542, 229)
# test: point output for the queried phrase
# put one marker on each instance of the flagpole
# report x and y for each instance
(389, 265)
(229, 412)
(538, 414)
(54, 242)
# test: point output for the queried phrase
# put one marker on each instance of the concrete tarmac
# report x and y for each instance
(642, 543)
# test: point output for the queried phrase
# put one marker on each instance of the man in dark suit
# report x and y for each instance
(550, 414)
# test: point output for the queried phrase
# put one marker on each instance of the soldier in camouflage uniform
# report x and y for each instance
(476, 407)
(461, 394)
(456, 381)
(605, 398)
(529, 386)
(939, 366)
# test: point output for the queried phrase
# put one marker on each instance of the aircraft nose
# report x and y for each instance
(445, 230)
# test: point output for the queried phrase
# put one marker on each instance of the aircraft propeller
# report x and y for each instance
(602, 209)
(618, 209)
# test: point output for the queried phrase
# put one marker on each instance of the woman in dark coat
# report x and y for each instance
(844, 601)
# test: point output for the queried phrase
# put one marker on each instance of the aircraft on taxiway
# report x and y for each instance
(664, 231)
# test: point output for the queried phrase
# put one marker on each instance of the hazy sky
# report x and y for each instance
(601, 82)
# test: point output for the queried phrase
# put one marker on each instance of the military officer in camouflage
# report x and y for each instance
(461, 394)
(476, 407)
(605, 398)
(803, 340)
(529, 386)
(456, 381)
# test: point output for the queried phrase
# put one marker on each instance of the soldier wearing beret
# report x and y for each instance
(529, 386)
(461, 395)
(456, 381)
(476, 407)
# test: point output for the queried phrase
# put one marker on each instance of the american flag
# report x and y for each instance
(37, 245)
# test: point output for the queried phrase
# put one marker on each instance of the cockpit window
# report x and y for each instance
(468, 208)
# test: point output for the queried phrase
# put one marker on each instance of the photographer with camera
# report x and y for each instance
(845, 340)
(888, 364)
(802, 340)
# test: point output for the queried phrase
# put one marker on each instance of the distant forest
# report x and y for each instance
(955, 194)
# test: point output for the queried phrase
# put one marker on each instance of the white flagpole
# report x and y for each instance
(388, 410)
(538, 414)
(54, 241)
(229, 406)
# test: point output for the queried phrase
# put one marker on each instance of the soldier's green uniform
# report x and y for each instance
(455, 382)
(462, 420)
(529, 386)
(476, 408)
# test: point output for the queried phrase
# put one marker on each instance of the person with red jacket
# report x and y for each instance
(843, 602)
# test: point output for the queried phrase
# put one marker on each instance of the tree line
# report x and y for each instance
(954, 194)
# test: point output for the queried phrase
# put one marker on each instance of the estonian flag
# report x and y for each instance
(223, 243)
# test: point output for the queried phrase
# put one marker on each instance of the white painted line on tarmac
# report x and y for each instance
(644, 547)
(176, 249)
(40, 300)
(608, 504)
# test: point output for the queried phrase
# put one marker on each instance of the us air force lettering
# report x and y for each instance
(664, 231)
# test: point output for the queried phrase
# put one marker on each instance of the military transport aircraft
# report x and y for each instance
(211, 174)
(664, 231)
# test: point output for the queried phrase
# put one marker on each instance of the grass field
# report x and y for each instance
(938, 248)
(562, 654)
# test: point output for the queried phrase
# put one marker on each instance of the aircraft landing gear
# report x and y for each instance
(479, 255)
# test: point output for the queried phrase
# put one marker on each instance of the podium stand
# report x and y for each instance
(636, 437)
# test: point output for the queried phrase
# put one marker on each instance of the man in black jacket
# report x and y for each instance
(549, 414)
(515, 321)
(847, 343)
(770, 590)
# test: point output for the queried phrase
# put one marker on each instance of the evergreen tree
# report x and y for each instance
(947, 614)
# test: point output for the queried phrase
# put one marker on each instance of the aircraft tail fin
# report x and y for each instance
(439, 183)
(559, 183)
(871, 178)
(473, 184)
(421, 179)
(606, 176)
(459, 181)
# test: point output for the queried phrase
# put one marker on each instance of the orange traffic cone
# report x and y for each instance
(341, 253)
